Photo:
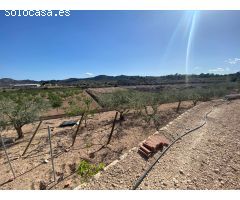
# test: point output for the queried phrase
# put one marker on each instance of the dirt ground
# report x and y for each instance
(208, 158)
(32, 169)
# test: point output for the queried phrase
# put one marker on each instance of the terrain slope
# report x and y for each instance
(208, 158)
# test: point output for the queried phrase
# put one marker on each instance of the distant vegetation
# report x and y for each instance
(113, 81)
(141, 101)
(23, 106)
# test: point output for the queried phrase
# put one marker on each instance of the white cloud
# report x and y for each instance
(216, 70)
(89, 74)
(233, 61)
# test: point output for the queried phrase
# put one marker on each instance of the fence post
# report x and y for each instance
(50, 143)
(114, 122)
(75, 135)
(35, 132)
(7, 156)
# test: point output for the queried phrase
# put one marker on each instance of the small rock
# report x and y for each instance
(67, 184)
(58, 173)
(164, 183)
(189, 181)
(216, 171)
(181, 171)
(175, 181)
(45, 161)
(72, 167)
(146, 184)
(91, 155)
(42, 185)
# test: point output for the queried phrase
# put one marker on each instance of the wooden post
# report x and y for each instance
(114, 122)
(7, 156)
(78, 127)
(35, 132)
(178, 107)
(50, 143)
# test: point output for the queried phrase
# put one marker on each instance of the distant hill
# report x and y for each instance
(9, 82)
(123, 80)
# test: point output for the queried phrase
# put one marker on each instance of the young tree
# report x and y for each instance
(179, 96)
(55, 100)
(87, 109)
(119, 101)
(153, 100)
(21, 110)
(74, 108)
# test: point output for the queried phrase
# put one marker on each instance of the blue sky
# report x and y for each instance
(147, 43)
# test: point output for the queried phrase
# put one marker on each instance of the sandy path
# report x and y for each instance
(205, 159)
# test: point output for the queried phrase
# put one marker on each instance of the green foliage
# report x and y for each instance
(75, 109)
(55, 100)
(21, 109)
(87, 170)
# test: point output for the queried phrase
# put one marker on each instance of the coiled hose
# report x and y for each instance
(139, 181)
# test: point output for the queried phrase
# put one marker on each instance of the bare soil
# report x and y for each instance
(32, 168)
(207, 158)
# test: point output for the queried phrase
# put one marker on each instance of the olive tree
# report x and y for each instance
(75, 108)
(117, 100)
(20, 110)
(55, 100)
(152, 100)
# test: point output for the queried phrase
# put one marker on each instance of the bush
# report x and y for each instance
(87, 170)
(55, 100)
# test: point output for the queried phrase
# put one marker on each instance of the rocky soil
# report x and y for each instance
(208, 158)
(34, 171)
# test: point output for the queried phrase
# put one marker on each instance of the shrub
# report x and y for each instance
(55, 100)
(87, 170)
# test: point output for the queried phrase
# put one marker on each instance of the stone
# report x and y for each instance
(67, 184)
(175, 182)
(42, 185)
(216, 171)
(72, 167)
(164, 183)
(181, 171)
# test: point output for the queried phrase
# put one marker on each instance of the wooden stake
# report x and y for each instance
(78, 127)
(7, 156)
(35, 132)
(50, 143)
(114, 122)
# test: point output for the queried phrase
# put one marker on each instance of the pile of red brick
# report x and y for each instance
(152, 144)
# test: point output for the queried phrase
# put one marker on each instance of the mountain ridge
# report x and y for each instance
(105, 80)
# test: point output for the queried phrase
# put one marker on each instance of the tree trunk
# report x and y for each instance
(114, 122)
(19, 132)
(194, 103)
(179, 103)
(121, 118)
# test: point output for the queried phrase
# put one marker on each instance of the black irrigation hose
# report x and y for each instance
(139, 181)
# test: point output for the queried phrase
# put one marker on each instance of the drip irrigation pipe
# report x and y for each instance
(141, 178)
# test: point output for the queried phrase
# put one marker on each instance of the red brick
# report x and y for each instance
(143, 153)
(146, 150)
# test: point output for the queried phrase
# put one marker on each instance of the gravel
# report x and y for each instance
(196, 161)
